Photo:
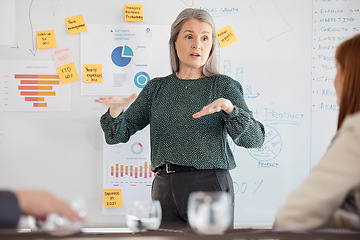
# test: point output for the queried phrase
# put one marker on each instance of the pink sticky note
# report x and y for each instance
(62, 57)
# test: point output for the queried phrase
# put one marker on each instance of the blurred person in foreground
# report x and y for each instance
(38, 204)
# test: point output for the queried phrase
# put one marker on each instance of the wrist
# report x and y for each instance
(230, 108)
(115, 112)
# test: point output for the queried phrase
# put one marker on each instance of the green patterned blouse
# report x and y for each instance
(175, 136)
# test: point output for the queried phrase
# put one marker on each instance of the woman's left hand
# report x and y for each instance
(216, 106)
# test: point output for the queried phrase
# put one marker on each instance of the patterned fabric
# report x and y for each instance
(175, 136)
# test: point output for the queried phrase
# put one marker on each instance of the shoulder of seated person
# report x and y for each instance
(352, 122)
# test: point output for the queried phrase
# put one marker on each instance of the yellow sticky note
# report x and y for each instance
(67, 73)
(75, 24)
(133, 13)
(112, 198)
(46, 39)
(226, 36)
(92, 73)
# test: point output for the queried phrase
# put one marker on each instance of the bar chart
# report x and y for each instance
(32, 86)
(139, 172)
(128, 164)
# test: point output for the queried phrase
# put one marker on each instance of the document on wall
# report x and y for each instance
(127, 174)
(32, 86)
(130, 56)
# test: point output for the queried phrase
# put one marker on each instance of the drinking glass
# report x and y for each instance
(143, 215)
(209, 212)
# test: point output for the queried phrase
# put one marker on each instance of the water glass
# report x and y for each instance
(143, 215)
(209, 212)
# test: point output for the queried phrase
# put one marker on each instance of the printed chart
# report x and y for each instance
(127, 169)
(32, 86)
(130, 56)
(120, 171)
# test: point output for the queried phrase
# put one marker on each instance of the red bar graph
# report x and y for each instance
(37, 93)
(52, 82)
(35, 87)
(34, 99)
(32, 85)
(120, 171)
(36, 76)
(39, 104)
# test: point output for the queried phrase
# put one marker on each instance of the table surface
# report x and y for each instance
(166, 234)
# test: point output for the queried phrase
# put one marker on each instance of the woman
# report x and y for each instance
(330, 197)
(190, 113)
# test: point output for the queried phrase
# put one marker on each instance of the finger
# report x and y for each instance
(65, 209)
(99, 100)
(197, 115)
(133, 96)
(102, 99)
(201, 113)
(218, 109)
(207, 111)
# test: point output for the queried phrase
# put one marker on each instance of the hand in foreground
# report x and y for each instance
(40, 204)
(216, 106)
(116, 104)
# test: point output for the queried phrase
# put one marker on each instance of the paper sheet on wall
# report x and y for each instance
(127, 169)
(130, 55)
(32, 86)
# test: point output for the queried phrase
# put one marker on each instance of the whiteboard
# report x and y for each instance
(284, 59)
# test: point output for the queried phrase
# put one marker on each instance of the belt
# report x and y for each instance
(173, 168)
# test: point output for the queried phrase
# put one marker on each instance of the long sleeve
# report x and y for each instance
(9, 210)
(175, 136)
(241, 125)
(316, 203)
(135, 118)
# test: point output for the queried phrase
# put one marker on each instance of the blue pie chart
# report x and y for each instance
(121, 56)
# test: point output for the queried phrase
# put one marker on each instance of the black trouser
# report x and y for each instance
(173, 190)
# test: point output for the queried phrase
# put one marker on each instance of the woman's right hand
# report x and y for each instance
(116, 104)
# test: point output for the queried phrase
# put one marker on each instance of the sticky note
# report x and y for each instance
(112, 198)
(92, 73)
(226, 36)
(133, 13)
(67, 73)
(75, 24)
(62, 56)
(46, 39)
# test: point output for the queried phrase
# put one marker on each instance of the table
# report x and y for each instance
(166, 234)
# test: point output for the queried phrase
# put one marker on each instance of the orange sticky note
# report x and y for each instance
(75, 24)
(226, 36)
(92, 73)
(112, 198)
(46, 39)
(133, 13)
(67, 73)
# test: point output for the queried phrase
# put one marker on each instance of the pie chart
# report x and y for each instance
(137, 148)
(141, 79)
(121, 56)
(271, 148)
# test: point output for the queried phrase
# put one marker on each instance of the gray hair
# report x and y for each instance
(210, 67)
